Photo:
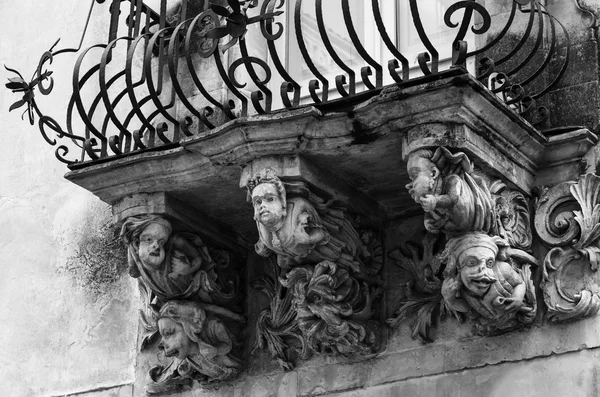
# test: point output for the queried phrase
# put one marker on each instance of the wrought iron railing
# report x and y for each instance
(148, 92)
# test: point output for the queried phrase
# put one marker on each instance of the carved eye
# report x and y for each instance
(490, 263)
(270, 199)
(471, 262)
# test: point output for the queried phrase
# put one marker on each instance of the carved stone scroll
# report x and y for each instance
(184, 304)
(329, 270)
(568, 221)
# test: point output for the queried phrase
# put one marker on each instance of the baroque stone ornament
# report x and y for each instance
(568, 221)
(330, 269)
(486, 277)
(423, 291)
(184, 303)
(513, 216)
(277, 327)
(454, 198)
(174, 266)
(201, 344)
(484, 270)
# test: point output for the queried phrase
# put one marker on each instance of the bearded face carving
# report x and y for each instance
(483, 279)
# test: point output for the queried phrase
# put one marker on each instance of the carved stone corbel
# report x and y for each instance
(189, 295)
(568, 222)
(484, 270)
(328, 265)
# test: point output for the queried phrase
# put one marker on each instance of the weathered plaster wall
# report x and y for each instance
(68, 312)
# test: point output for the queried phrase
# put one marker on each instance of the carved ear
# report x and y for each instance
(435, 172)
(451, 269)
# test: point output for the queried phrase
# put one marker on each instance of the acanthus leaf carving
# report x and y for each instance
(330, 267)
(424, 292)
(333, 309)
(567, 220)
(278, 324)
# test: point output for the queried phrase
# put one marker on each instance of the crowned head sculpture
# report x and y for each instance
(268, 196)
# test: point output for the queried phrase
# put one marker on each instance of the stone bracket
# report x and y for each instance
(493, 153)
(184, 214)
(297, 168)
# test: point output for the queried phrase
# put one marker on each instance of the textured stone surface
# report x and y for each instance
(279, 385)
(563, 375)
(319, 380)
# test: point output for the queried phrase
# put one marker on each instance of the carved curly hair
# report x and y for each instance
(186, 313)
(132, 229)
(267, 175)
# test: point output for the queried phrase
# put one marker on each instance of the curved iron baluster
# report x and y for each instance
(548, 56)
(86, 117)
(29, 88)
(104, 86)
(502, 33)
(525, 36)
(459, 46)
(136, 105)
(564, 66)
(266, 27)
(313, 85)
(47, 121)
(255, 96)
(172, 58)
(155, 91)
(170, 41)
(424, 57)
(227, 108)
(536, 45)
(469, 7)
(365, 71)
(393, 64)
(124, 132)
(188, 54)
(340, 80)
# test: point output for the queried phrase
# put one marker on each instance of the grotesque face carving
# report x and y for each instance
(175, 343)
(152, 245)
(268, 205)
(476, 271)
(422, 173)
